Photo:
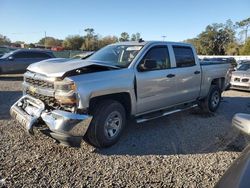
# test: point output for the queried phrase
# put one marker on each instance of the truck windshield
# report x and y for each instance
(244, 67)
(118, 55)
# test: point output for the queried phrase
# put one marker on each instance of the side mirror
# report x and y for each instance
(11, 58)
(148, 64)
(242, 122)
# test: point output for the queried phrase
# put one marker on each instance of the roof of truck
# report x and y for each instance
(151, 42)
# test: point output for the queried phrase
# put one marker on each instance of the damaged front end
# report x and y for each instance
(52, 103)
(66, 127)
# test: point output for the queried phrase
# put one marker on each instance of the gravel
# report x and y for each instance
(187, 149)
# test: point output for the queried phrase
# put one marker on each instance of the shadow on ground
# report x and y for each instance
(7, 98)
(188, 132)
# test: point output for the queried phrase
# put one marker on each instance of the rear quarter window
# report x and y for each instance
(184, 56)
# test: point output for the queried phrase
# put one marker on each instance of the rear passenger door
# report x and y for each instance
(188, 74)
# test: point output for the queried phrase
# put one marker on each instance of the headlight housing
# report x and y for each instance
(65, 92)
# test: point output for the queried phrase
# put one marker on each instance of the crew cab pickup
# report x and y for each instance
(92, 98)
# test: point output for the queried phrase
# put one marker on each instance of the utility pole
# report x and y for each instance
(163, 37)
(45, 39)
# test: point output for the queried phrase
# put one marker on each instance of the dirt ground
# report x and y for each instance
(187, 149)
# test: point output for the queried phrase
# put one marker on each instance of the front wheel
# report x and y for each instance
(108, 121)
(212, 101)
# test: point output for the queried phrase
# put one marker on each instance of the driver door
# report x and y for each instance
(155, 84)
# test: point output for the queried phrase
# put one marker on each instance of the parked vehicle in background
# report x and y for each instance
(6, 49)
(93, 98)
(230, 60)
(240, 78)
(240, 62)
(83, 55)
(18, 60)
(237, 176)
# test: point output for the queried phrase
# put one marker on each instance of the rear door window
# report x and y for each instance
(39, 55)
(184, 56)
(22, 55)
(31, 55)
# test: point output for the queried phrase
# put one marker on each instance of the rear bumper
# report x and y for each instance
(62, 126)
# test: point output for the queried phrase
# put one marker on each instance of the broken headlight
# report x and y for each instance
(65, 92)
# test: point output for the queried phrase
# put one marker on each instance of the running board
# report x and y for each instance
(144, 119)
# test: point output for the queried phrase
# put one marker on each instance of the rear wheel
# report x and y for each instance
(109, 119)
(212, 101)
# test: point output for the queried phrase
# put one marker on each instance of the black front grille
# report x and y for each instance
(240, 87)
(50, 101)
(245, 80)
(39, 83)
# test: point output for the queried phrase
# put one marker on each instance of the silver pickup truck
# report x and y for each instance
(92, 98)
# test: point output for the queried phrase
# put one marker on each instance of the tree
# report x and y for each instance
(196, 43)
(50, 42)
(73, 42)
(215, 39)
(90, 32)
(244, 25)
(31, 45)
(4, 40)
(245, 50)
(135, 37)
(124, 37)
(90, 42)
(233, 48)
(107, 40)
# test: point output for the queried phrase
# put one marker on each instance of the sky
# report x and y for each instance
(28, 20)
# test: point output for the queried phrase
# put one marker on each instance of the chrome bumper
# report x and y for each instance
(28, 110)
(63, 122)
(240, 85)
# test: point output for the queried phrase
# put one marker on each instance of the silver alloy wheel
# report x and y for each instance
(113, 124)
(215, 99)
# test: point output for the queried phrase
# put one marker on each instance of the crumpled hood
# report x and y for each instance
(241, 73)
(57, 67)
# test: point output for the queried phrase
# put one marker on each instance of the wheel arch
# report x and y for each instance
(124, 98)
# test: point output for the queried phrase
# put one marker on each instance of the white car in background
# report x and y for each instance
(241, 77)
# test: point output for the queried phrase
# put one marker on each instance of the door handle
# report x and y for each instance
(171, 75)
(197, 72)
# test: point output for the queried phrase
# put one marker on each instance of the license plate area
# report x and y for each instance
(26, 111)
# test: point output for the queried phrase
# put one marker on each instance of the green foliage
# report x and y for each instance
(50, 42)
(4, 40)
(90, 42)
(135, 37)
(107, 40)
(244, 25)
(124, 37)
(215, 39)
(245, 50)
(73, 42)
(233, 48)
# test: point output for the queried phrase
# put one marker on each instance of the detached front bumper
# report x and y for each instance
(68, 128)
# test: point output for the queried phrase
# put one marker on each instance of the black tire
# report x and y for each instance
(101, 128)
(211, 103)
